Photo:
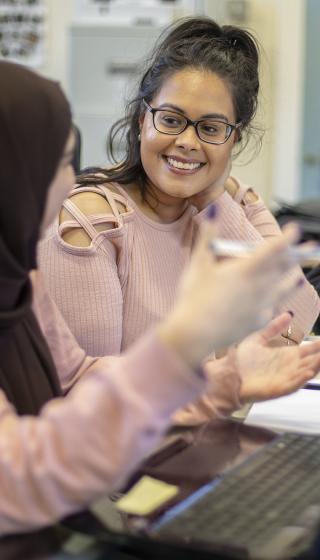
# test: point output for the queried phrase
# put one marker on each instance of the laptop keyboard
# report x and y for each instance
(253, 502)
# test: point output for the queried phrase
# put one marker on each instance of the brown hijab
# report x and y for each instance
(35, 121)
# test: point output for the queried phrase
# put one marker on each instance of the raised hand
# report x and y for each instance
(220, 303)
(269, 372)
(204, 198)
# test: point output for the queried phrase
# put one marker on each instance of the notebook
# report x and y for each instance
(299, 412)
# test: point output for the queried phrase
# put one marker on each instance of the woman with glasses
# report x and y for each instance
(113, 260)
(72, 427)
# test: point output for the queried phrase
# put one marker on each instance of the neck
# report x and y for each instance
(160, 207)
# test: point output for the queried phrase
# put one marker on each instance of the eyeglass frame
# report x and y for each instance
(189, 122)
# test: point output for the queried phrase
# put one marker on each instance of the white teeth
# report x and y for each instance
(180, 165)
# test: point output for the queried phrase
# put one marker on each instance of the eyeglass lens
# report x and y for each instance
(208, 130)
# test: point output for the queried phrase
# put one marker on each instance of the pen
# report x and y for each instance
(312, 386)
(232, 248)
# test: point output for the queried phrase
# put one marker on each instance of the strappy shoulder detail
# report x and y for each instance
(241, 192)
(113, 196)
(89, 221)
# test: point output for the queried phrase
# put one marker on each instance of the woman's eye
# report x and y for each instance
(211, 129)
(169, 120)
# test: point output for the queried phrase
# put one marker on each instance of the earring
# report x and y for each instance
(139, 137)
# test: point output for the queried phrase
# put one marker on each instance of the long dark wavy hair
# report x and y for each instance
(199, 43)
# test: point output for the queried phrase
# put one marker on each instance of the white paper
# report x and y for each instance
(299, 412)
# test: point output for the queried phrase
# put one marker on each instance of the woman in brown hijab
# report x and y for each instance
(35, 124)
(62, 453)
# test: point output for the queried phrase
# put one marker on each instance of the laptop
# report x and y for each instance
(244, 492)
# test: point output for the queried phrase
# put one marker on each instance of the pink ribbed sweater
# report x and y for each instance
(112, 291)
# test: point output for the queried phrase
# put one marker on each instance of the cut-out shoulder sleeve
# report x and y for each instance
(89, 211)
(87, 282)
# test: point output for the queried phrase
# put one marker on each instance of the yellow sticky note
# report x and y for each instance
(146, 495)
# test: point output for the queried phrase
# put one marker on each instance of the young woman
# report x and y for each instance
(58, 454)
(114, 258)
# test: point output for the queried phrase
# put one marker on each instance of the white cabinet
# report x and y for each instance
(104, 66)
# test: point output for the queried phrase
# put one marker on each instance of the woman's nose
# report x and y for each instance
(188, 139)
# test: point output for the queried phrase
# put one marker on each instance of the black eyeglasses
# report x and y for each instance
(211, 131)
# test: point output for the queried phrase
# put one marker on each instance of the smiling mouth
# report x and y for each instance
(175, 164)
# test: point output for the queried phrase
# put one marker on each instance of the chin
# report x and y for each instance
(178, 194)
(181, 190)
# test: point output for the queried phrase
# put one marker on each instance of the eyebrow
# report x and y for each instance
(179, 110)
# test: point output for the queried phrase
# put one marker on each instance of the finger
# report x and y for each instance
(285, 387)
(312, 363)
(284, 289)
(296, 381)
(209, 230)
(301, 381)
(308, 373)
(276, 327)
(310, 348)
(273, 252)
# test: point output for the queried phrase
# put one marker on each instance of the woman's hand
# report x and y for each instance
(220, 303)
(204, 198)
(267, 372)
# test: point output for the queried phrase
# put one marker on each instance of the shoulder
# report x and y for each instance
(91, 202)
(241, 193)
(96, 200)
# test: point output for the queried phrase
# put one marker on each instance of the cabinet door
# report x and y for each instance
(105, 62)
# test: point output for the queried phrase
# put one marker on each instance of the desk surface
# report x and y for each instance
(51, 545)
(57, 544)
(84, 537)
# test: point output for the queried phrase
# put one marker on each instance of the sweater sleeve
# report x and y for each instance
(221, 398)
(85, 445)
(86, 283)
(254, 222)
(233, 221)
(256, 212)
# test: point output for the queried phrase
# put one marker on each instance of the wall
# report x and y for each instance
(274, 172)
(60, 14)
(287, 113)
(279, 27)
(262, 16)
